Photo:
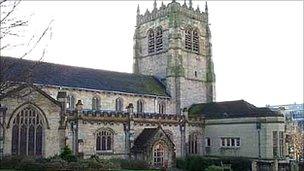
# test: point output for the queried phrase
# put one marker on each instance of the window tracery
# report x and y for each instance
(188, 39)
(155, 40)
(27, 132)
(195, 41)
(192, 39)
(159, 39)
(104, 141)
(151, 42)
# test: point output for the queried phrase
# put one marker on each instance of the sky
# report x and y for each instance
(257, 45)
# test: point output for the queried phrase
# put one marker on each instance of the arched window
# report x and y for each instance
(119, 105)
(27, 132)
(159, 39)
(162, 108)
(70, 102)
(193, 143)
(195, 41)
(140, 106)
(151, 42)
(188, 39)
(104, 141)
(95, 103)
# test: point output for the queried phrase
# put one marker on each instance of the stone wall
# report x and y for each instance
(246, 130)
(175, 61)
(51, 137)
(108, 99)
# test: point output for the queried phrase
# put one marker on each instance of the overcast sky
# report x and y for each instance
(257, 45)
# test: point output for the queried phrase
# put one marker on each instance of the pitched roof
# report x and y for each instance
(145, 137)
(77, 77)
(230, 109)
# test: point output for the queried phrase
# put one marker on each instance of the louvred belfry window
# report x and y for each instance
(27, 133)
(159, 39)
(188, 39)
(151, 42)
(195, 41)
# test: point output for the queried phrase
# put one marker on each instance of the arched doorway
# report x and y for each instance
(28, 132)
(160, 154)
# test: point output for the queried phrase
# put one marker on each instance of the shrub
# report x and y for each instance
(134, 164)
(29, 164)
(10, 162)
(193, 163)
(67, 155)
(214, 168)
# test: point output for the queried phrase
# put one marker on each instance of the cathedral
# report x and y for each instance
(163, 110)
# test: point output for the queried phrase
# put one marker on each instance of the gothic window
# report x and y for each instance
(158, 155)
(119, 105)
(193, 144)
(95, 103)
(159, 39)
(70, 102)
(27, 133)
(188, 39)
(104, 141)
(140, 106)
(151, 42)
(162, 108)
(195, 41)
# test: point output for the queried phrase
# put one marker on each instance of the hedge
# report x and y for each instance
(195, 163)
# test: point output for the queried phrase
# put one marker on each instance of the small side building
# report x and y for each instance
(240, 129)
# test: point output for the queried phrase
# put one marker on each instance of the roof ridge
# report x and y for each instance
(72, 66)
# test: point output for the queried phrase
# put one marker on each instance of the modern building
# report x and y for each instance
(165, 109)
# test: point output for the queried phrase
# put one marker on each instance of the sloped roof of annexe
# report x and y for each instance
(230, 109)
(85, 78)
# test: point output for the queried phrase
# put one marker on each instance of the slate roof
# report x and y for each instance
(143, 138)
(77, 77)
(230, 109)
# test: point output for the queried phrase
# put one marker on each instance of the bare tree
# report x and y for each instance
(12, 27)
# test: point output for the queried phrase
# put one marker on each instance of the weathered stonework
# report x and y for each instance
(185, 73)
(188, 78)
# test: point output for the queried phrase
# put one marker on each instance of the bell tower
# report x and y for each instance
(172, 43)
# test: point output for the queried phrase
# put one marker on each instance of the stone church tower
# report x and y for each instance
(172, 43)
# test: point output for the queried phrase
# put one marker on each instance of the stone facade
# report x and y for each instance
(48, 110)
(255, 141)
(188, 78)
(188, 75)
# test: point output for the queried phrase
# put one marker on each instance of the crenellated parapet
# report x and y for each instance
(138, 118)
(167, 10)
